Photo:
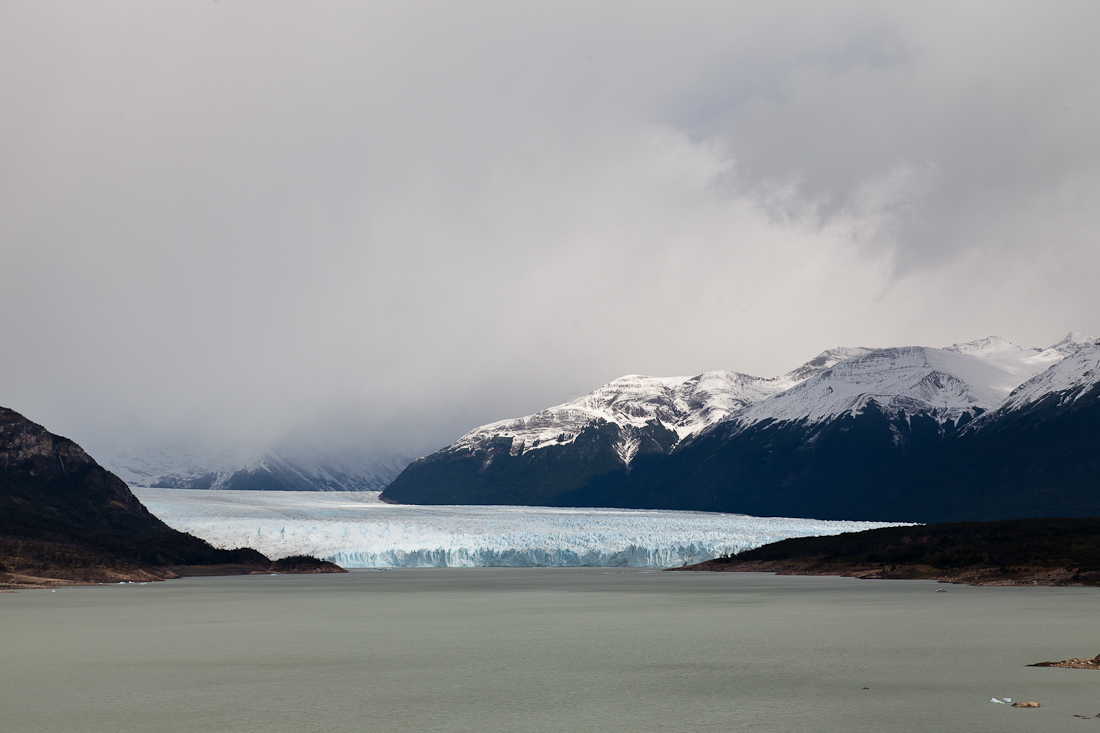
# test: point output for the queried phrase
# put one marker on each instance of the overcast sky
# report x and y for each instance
(398, 220)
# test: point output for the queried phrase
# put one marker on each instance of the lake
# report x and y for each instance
(543, 649)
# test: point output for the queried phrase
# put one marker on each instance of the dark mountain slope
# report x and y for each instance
(558, 475)
(1039, 460)
(781, 468)
(63, 515)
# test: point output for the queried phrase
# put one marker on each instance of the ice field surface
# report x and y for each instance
(357, 530)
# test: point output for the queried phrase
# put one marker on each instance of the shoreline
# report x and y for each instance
(972, 576)
(11, 581)
(1042, 551)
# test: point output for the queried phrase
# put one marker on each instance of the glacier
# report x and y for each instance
(358, 530)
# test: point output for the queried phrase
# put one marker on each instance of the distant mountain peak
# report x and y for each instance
(985, 346)
(824, 360)
(1070, 378)
(1073, 339)
(249, 467)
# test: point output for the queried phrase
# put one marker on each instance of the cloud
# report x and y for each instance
(390, 222)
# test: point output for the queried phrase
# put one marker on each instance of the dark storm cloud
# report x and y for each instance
(386, 223)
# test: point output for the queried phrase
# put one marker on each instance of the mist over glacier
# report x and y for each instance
(357, 530)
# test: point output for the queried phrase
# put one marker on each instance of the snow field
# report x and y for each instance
(357, 530)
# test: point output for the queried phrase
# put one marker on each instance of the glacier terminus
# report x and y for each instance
(357, 530)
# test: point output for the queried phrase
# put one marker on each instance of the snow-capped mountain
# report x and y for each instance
(723, 441)
(628, 422)
(996, 349)
(1066, 381)
(964, 379)
(253, 468)
(1036, 455)
(684, 405)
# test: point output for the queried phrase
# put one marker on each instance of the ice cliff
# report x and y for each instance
(356, 530)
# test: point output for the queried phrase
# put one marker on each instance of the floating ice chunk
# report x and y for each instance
(1007, 699)
(1000, 702)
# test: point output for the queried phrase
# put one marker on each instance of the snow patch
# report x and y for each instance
(903, 381)
(626, 447)
(686, 405)
(1070, 378)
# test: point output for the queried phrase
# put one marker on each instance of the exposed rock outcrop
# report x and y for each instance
(1074, 663)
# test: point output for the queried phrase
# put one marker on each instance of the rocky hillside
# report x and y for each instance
(62, 515)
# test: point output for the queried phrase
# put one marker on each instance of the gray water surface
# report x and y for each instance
(499, 649)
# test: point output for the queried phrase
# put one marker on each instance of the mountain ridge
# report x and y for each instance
(685, 405)
(815, 448)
